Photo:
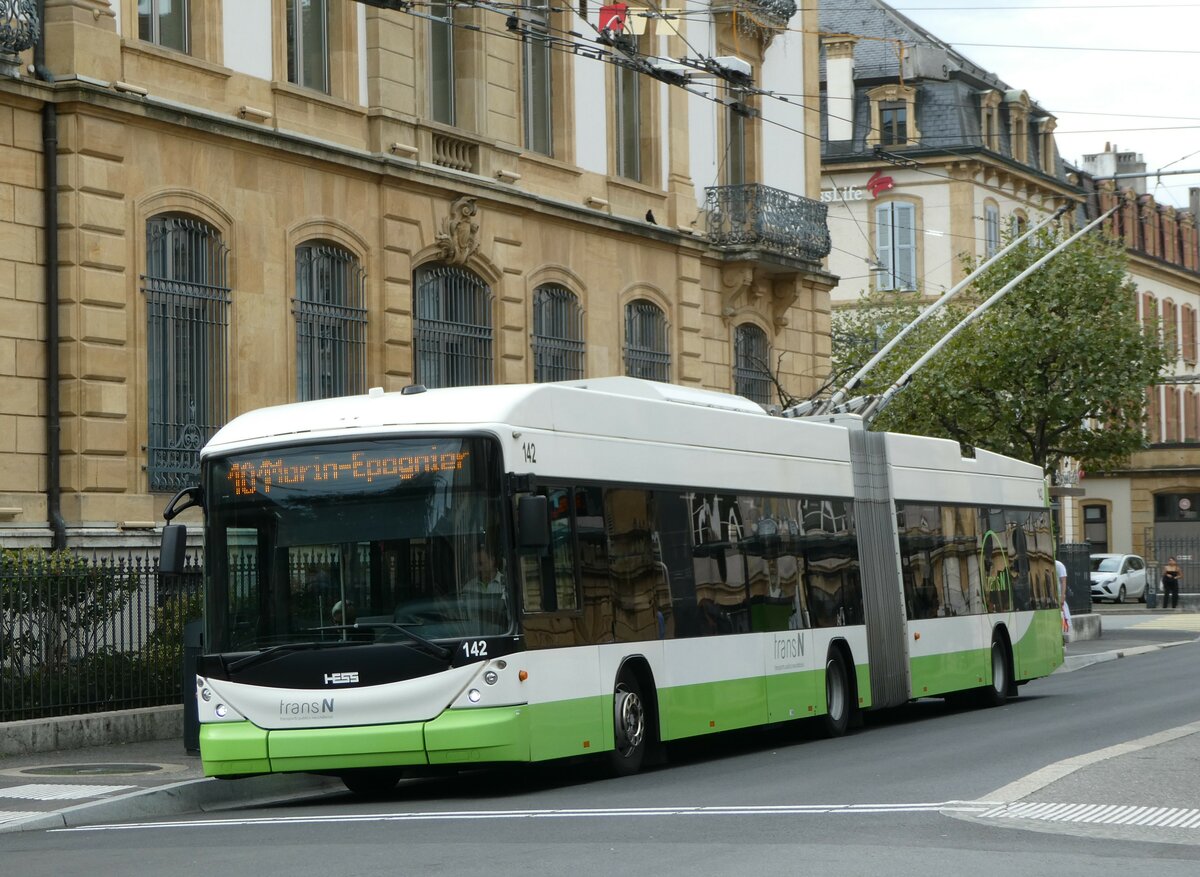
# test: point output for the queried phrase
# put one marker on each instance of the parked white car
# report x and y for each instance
(1117, 577)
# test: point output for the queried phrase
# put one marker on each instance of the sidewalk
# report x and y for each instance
(158, 779)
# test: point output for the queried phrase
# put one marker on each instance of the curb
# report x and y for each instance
(1078, 662)
(188, 796)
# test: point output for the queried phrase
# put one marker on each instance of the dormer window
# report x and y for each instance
(1018, 124)
(1046, 149)
(893, 116)
(989, 120)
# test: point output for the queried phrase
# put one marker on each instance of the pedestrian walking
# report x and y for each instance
(1172, 575)
(1061, 569)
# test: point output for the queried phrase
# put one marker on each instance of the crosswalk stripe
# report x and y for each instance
(59, 791)
(1099, 814)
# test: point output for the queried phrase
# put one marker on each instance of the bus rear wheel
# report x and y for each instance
(629, 727)
(996, 694)
(837, 696)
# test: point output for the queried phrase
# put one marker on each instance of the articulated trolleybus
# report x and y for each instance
(521, 573)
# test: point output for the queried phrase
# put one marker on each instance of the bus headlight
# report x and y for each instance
(206, 694)
(473, 695)
(221, 710)
(491, 677)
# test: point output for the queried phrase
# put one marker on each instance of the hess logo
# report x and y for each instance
(350, 678)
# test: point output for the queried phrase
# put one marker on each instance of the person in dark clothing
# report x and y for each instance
(1171, 577)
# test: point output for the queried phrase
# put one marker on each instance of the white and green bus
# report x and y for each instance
(530, 572)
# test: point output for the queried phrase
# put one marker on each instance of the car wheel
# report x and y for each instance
(1120, 595)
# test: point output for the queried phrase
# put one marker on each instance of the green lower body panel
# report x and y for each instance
(482, 735)
(954, 671)
(455, 737)
(233, 748)
(570, 727)
(690, 710)
(1040, 651)
(304, 749)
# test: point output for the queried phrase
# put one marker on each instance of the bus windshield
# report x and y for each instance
(373, 541)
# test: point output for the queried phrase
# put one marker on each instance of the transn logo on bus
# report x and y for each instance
(305, 708)
(342, 678)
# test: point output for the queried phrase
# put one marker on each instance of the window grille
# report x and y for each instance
(647, 347)
(308, 44)
(452, 328)
(164, 23)
(557, 334)
(331, 323)
(751, 362)
(187, 307)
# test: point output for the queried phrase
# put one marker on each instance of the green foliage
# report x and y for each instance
(73, 640)
(63, 601)
(1058, 368)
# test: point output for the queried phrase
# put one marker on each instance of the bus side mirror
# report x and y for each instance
(171, 551)
(533, 523)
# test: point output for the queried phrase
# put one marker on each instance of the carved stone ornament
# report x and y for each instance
(459, 237)
(745, 286)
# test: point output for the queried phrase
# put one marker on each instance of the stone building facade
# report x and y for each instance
(269, 200)
(1156, 498)
(926, 156)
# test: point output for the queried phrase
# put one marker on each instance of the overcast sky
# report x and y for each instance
(1120, 72)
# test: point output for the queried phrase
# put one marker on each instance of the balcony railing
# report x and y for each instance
(772, 13)
(758, 217)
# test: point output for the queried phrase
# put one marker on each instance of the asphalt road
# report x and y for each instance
(920, 790)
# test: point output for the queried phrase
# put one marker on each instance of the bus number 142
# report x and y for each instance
(475, 648)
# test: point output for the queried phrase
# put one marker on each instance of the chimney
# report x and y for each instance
(839, 86)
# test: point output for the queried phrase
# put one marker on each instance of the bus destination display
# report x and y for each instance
(328, 471)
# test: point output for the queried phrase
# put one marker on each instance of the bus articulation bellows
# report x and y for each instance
(531, 572)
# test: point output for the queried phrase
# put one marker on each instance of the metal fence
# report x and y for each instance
(81, 635)
(1186, 553)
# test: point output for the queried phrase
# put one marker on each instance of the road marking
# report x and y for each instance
(59, 791)
(969, 807)
(1039, 779)
(1188, 621)
(1099, 814)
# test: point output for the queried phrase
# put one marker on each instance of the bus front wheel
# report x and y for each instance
(629, 727)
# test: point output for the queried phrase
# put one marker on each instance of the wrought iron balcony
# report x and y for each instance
(768, 13)
(754, 216)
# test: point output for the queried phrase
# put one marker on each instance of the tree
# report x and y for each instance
(1058, 368)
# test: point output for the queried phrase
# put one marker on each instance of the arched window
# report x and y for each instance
(557, 334)
(452, 327)
(647, 346)
(751, 364)
(187, 315)
(331, 322)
